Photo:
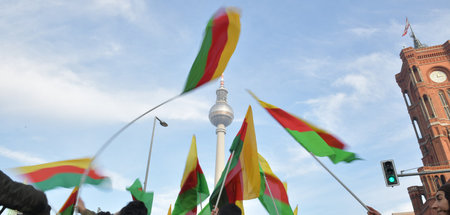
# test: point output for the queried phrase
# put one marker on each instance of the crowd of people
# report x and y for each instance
(30, 201)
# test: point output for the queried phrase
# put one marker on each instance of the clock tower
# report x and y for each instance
(424, 81)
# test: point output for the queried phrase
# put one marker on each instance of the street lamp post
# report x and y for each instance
(164, 124)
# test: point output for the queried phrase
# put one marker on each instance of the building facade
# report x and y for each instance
(424, 81)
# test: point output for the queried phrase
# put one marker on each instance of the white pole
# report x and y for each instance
(149, 155)
(220, 152)
(337, 179)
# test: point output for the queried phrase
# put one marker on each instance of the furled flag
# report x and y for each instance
(69, 205)
(241, 176)
(273, 192)
(219, 43)
(406, 27)
(194, 188)
(138, 194)
(170, 210)
(313, 139)
(66, 174)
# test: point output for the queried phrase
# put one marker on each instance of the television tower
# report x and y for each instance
(221, 115)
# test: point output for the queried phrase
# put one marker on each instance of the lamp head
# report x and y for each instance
(162, 123)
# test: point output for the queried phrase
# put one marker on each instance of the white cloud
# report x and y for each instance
(366, 80)
(20, 156)
(119, 182)
(53, 91)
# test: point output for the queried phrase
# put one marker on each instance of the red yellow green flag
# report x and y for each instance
(194, 188)
(221, 37)
(296, 210)
(66, 174)
(273, 192)
(315, 140)
(170, 210)
(241, 174)
(69, 205)
(138, 194)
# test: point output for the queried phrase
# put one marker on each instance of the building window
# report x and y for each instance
(407, 99)
(417, 129)
(443, 181)
(416, 74)
(429, 107)
(437, 182)
(444, 103)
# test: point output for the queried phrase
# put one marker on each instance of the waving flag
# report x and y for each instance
(315, 140)
(66, 174)
(241, 174)
(273, 191)
(221, 37)
(194, 188)
(69, 205)
(406, 27)
(296, 210)
(138, 194)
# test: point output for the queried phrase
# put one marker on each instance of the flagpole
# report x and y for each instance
(273, 200)
(114, 136)
(337, 179)
(224, 180)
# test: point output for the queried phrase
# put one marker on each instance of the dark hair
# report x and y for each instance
(134, 208)
(230, 209)
(446, 189)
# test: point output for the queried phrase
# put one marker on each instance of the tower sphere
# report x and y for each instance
(221, 112)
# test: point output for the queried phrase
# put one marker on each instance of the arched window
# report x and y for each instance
(429, 109)
(443, 181)
(416, 74)
(417, 128)
(444, 103)
(407, 99)
(437, 182)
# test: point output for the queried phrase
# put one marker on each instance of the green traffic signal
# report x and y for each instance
(390, 175)
(391, 179)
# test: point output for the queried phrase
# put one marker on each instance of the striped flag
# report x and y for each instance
(170, 210)
(241, 174)
(65, 173)
(194, 188)
(219, 43)
(406, 27)
(69, 205)
(315, 140)
(273, 191)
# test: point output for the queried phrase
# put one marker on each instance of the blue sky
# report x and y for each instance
(74, 72)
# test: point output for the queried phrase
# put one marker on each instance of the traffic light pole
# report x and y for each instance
(424, 173)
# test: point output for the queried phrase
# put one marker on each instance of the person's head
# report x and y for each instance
(441, 204)
(230, 209)
(134, 208)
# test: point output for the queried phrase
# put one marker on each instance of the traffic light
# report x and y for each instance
(390, 175)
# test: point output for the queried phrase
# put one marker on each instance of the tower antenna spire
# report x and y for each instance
(417, 43)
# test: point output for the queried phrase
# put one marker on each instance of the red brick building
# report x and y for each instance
(424, 80)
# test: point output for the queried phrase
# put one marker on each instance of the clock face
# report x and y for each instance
(438, 76)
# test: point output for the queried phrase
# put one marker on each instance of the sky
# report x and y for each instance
(74, 72)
